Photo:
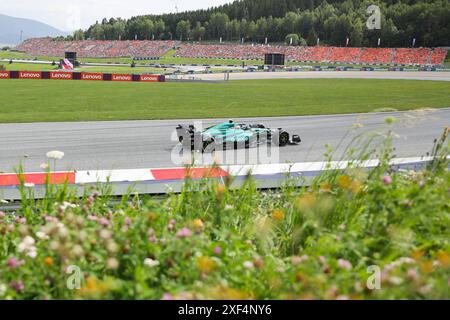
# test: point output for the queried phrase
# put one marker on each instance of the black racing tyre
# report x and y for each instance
(283, 139)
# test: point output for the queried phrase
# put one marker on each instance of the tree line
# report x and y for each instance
(298, 22)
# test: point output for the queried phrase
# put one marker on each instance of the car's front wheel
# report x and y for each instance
(283, 139)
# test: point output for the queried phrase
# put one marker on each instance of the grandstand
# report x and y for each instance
(153, 49)
(402, 56)
(96, 49)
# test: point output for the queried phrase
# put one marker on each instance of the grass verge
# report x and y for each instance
(46, 100)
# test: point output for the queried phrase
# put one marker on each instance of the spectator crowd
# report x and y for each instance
(153, 49)
(96, 49)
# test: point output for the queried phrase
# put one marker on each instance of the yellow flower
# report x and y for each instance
(278, 214)
(48, 261)
(93, 288)
(306, 201)
(198, 224)
(344, 181)
(417, 254)
(444, 258)
(206, 264)
(426, 266)
(220, 191)
(325, 188)
(355, 187)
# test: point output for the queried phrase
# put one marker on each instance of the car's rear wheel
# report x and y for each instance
(283, 139)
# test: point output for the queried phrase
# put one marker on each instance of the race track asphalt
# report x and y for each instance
(146, 144)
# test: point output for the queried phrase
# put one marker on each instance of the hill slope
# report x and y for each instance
(10, 28)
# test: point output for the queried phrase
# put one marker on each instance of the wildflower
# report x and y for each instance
(198, 224)
(344, 264)
(3, 289)
(278, 214)
(42, 235)
(387, 179)
(167, 296)
(27, 246)
(228, 207)
(217, 250)
(2, 214)
(127, 221)
(296, 260)
(206, 264)
(426, 267)
(417, 254)
(306, 201)
(184, 233)
(151, 263)
(48, 261)
(425, 289)
(395, 280)
(44, 166)
(258, 263)
(77, 251)
(248, 265)
(412, 274)
(344, 181)
(152, 239)
(325, 188)
(111, 247)
(356, 187)
(28, 185)
(17, 285)
(105, 234)
(65, 205)
(13, 262)
(220, 191)
(443, 258)
(56, 155)
(112, 263)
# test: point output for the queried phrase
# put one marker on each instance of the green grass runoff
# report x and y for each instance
(49, 100)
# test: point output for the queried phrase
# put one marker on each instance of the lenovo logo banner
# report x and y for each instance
(29, 75)
(92, 76)
(122, 77)
(4, 74)
(61, 75)
(149, 78)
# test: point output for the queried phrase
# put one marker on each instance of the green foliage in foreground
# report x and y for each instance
(46, 100)
(213, 242)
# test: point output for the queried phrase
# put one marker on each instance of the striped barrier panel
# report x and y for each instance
(162, 180)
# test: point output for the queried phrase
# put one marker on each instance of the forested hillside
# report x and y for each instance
(332, 22)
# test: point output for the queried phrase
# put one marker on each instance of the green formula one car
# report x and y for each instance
(233, 135)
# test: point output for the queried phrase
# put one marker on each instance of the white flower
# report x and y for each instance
(28, 185)
(57, 155)
(248, 265)
(44, 166)
(41, 235)
(27, 246)
(32, 253)
(66, 205)
(151, 263)
(28, 241)
(2, 289)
